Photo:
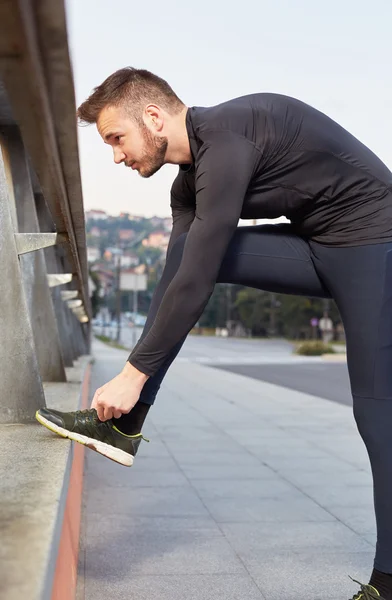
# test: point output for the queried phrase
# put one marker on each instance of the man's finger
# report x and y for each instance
(100, 412)
(95, 399)
(117, 413)
(108, 412)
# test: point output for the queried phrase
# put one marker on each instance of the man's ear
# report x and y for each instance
(153, 117)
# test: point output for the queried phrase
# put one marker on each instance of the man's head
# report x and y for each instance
(137, 113)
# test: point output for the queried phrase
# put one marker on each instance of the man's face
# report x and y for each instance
(134, 145)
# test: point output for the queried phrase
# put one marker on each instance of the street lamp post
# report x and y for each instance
(135, 309)
(118, 298)
(272, 323)
(228, 305)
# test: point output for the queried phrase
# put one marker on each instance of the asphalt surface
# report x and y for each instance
(329, 381)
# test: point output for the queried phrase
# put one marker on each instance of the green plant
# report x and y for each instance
(316, 348)
(107, 340)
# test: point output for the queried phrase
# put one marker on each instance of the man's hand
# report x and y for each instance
(119, 395)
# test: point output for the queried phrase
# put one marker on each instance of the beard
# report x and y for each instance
(153, 157)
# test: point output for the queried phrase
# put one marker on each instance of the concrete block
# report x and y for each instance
(159, 553)
(176, 587)
(173, 501)
(249, 510)
(311, 576)
(252, 488)
(259, 540)
(236, 472)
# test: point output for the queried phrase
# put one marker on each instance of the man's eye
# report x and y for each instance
(118, 138)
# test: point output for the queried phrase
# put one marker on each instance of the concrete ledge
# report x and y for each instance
(40, 497)
(338, 357)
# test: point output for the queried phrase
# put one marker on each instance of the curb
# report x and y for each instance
(66, 570)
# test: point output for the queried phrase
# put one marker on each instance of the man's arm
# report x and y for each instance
(224, 168)
(183, 206)
(119, 395)
(182, 203)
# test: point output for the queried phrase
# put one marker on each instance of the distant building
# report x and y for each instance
(157, 239)
(165, 223)
(95, 231)
(140, 269)
(125, 235)
(129, 259)
(156, 221)
(93, 254)
(96, 214)
(110, 253)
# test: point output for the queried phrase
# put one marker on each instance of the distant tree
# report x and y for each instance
(254, 310)
(295, 313)
(214, 314)
(148, 256)
(263, 313)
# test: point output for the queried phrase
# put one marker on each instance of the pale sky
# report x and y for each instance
(333, 54)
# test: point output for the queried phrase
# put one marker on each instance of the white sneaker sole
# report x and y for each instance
(119, 456)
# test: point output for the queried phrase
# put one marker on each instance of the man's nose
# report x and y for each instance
(118, 157)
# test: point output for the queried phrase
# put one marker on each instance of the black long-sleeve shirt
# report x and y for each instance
(262, 156)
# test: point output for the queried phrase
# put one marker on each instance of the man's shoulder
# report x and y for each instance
(219, 115)
(238, 115)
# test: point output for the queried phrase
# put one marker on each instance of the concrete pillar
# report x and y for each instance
(46, 224)
(77, 335)
(46, 336)
(74, 341)
(69, 316)
(82, 339)
(83, 332)
(21, 388)
(64, 332)
(86, 330)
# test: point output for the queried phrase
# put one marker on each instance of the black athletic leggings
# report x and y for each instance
(359, 279)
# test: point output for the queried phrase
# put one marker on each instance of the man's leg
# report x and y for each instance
(266, 257)
(360, 279)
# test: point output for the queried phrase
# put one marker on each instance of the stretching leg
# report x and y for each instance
(266, 257)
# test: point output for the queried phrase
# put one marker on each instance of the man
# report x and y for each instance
(259, 156)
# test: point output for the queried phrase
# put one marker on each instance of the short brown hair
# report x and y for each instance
(132, 88)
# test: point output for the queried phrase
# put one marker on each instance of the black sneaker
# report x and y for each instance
(84, 426)
(367, 592)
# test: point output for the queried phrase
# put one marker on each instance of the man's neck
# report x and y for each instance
(179, 151)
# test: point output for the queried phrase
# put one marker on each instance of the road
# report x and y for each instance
(272, 361)
(325, 380)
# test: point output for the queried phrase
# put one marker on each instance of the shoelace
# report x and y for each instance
(90, 414)
(92, 419)
(366, 592)
(87, 411)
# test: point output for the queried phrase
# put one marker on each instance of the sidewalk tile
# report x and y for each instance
(176, 587)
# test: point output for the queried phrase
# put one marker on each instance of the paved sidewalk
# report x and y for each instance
(247, 491)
